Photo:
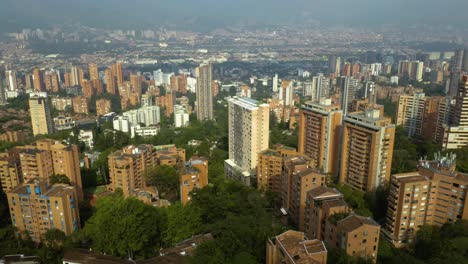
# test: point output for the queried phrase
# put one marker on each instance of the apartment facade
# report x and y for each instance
(358, 236)
(10, 170)
(80, 105)
(321, 203)
(456, 133)
(194, 175)
(367, 150)
(41, 119)
(297, 179)
(103, 106)
(434, 195)
(204, 92)
(319, 134)
(270, 167)
(249, 130)
(36, 207)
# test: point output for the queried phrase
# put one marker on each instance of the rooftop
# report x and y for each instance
(297, 246)
(353, 221)
(321, 192)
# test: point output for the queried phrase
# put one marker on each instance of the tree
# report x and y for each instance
(239, 220)
(59, 178)
(55, 238)
(182, 222)
(124, 227)
(355, 199)
(165, 178)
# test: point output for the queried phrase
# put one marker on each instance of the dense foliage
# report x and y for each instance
(124, 227)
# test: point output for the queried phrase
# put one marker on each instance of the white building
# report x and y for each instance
(249, 122)
(320, 87)
(148, 115)
(286, 93)
(145, 131)
(86, 136)
(376, 69)
(158, 77)
(394, 80)
(167, 78)
(192, 84)
(275, 83)
(181, 116)
(122, 123)
(11, 80)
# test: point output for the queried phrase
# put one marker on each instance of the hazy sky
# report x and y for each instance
(210, 13)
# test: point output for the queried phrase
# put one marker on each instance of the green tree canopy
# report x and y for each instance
(124, 227)
(59, 178)
(182, 222)
(165, 178)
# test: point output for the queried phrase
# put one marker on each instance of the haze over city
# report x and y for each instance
(238, 132)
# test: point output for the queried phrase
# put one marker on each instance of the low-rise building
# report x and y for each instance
(181, 116)
(293, 247)
(321, 203)
(358, 236)
(194, 175)
(86, 136)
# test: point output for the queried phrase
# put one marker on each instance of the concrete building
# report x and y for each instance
(411, 69)
(127, 168)
(297, 179)
(62, 103)
(285, 95)
(320, 88)
(194, 175)
(36, 207)
(10, 170)
(41, 119)
(122, 123)
(435, 194)
(419, 115)
(35, 164)
(349, 88)
(248, 136)
(63, 123)
(367, 150)
(144, 131)
(65, 161)
(320, 133)
(293, 247)
(204, 92)
(86, 136)
(321, 203)
(80, 105)
(103, 106)
(37, 81)
(410, 113)
(358, 236)
(275, 83)
(456, 133)
(12, 81)
(270, 167)
(147, 115)
(13, 136)
(93, 71)
(181, 116)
